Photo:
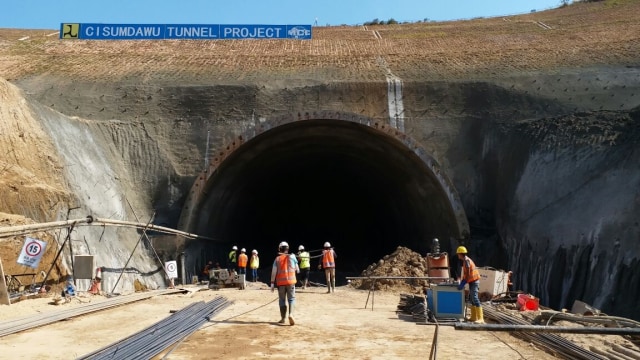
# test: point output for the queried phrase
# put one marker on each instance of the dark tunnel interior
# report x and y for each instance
(313, 181)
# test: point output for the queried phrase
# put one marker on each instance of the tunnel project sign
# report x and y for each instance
(182, 32)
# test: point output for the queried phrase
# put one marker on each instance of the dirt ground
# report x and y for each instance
(327, 326)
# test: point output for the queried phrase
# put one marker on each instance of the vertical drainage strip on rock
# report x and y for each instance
(394, 96)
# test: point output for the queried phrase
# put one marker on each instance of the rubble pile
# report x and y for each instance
(403, 262)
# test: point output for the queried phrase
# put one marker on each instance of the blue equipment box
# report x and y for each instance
(446, 301)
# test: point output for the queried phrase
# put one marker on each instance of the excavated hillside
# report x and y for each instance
(517, 136)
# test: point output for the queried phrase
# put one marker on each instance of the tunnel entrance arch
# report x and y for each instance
(323, 176)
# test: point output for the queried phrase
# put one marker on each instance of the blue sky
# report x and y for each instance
(48, 14)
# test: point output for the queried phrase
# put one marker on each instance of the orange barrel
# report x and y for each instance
(443, 273)
(440, 261)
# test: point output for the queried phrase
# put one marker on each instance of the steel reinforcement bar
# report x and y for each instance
(154, 339)
(554, 344)
(29, 322)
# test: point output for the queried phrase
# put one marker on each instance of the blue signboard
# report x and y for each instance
(181, 31)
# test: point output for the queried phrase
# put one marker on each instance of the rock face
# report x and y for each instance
(570, 221)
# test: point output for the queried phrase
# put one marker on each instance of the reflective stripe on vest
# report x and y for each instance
(255, 262)
(305, 261)
(232, 256)
(471, 273)
(242, 260)
(286, 275)
(327, 259)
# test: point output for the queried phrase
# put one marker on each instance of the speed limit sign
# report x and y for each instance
(32, 252)
(172, 269)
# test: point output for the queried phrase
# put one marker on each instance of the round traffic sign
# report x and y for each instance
(33, 249)
(171, 267)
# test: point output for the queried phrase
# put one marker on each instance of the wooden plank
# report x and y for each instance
(4, 293)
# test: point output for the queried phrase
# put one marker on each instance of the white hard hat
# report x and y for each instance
(327, 244)
(254, 251)
(234, 247)
(243, 250)
(300, 247)
(283, 244)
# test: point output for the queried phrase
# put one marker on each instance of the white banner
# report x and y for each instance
(172, 269)
(32, 252)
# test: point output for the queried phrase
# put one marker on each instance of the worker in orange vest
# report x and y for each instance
(205, 271)
(471, 276)
(283, 276)
(242, 261)
(328, 263)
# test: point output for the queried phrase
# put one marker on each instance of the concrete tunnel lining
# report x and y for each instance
(366, 189)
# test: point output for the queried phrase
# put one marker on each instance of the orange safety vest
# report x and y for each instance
(470, 273)
(286, 275)
(242, 260)
(327, 259)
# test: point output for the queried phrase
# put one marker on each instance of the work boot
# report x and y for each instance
(333, 286)
(473, 315)
(283, 314)
(291, 320)
(479, 315)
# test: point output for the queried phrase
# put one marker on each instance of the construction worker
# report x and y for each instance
(283, 276)
(328, 263)
(242, 261)
(471, 276)
(205, 271)
(254, 264)
(304, 259)
(232, 259)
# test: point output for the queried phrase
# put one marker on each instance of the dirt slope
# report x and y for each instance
(30, 169)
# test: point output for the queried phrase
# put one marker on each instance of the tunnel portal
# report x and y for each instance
(358, 184)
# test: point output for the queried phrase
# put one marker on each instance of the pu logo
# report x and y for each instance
(70, 31)
(298, 32)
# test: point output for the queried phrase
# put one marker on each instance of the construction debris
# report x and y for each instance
(403, 262)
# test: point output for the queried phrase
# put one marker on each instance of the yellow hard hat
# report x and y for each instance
(461, 250)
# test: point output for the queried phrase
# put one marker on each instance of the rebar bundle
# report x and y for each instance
(414, 305)
(156, 338)
(29, 322)
(552, 343)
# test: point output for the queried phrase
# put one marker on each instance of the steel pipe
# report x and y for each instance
(89, 220)
(548, 329)
(151, 227)
(31, 228)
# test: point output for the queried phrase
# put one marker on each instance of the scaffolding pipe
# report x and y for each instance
(144, 233)
(548, 329)
(549, 316)
(31, 228)
(90, 220)
(151, 227)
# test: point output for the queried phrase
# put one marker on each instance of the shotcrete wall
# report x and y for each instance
(545, 165)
